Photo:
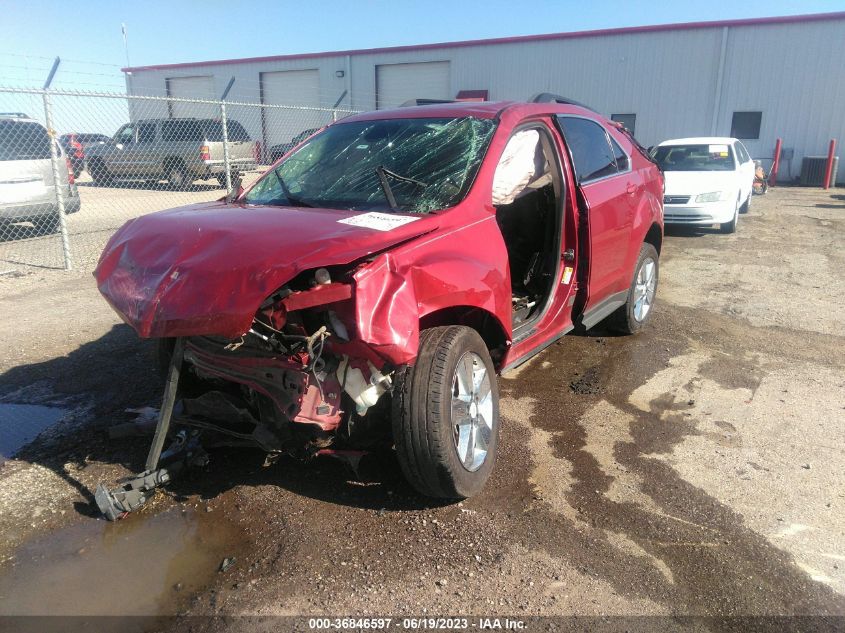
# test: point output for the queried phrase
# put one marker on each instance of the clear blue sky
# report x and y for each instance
(86, 34)
(182, 30)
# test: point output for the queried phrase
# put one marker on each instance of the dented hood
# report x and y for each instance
(206, 268)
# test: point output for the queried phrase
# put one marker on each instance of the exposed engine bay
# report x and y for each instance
(296, 383)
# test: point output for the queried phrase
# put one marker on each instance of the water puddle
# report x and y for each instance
(141, 566)
(21, 423)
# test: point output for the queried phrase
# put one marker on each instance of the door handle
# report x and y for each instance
(631, 188)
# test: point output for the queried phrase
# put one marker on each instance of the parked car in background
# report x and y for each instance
(365, 291)
(27, 186)
(277, 151)
(709, 180)
(76, 145)
(177, 150)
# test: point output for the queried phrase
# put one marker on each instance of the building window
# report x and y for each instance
(746, 125)
(627, 120)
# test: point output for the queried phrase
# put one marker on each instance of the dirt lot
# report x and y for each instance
(695, 469)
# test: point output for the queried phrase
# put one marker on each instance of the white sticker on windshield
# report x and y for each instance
(719, 149)
(378, 221)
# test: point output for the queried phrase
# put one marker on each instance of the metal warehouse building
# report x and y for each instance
(756, 79)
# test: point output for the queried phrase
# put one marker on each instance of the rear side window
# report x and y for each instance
(182, 131)
(623, 163)
(234, 130)
(742, 154)
(23, 140)
(591, 151)
(147, 133)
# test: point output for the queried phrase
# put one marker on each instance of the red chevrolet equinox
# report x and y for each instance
(366, 291)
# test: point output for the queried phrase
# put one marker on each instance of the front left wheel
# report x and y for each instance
(446, 414)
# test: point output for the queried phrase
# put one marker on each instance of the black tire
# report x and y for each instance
(729, 227)
(746, 206)
(178, 176)
(423, 430)
(100, 174)
(626, 319)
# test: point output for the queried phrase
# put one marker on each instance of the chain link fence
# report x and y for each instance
(75, 166)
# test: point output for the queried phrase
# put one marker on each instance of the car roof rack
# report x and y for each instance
(420, 102)
(17, 115)
(548, 97)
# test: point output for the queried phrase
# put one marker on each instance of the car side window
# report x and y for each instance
(743, 154)
(623, 163)
(126, 135)
(147, 133)
(590, 147)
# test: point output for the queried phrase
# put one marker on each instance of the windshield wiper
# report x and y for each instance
(383, 175)
(294, 200)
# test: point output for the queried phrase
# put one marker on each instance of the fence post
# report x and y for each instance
(828, 168)
(54, 162)
(337, 103)
(773, 172)
(227, 168)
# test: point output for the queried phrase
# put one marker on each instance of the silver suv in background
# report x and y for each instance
(27, 188)
(177, 150)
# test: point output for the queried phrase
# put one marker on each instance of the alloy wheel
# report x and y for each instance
(644, 289)
(472, 411)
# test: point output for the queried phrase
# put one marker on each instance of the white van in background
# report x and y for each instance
(27, 189)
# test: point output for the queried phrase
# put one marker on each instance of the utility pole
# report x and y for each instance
(125, 43)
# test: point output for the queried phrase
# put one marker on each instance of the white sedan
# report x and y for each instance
(708, 180)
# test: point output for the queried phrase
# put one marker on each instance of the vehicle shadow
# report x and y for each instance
(839, 197)
(116, 372)
(680, 230)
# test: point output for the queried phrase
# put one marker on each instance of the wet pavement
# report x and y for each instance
(693, 470)
(21, 423)
(141, 566)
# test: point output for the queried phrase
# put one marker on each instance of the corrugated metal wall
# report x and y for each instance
(793, 73)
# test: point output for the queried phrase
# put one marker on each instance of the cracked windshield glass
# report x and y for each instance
(397, 165)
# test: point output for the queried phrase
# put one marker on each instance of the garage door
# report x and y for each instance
(192, 88)
(397, 83)
(291, 88)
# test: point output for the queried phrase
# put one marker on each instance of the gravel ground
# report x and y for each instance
(695, 469)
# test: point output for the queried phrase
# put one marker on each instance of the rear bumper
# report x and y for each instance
(22, 212)
(701, 214)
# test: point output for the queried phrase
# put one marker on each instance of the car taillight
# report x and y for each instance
(77, 149)
(70, 179)
(205, 153)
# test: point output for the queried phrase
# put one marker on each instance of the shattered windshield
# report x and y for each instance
(399, 165)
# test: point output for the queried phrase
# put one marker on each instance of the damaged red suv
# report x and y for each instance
(365, 292)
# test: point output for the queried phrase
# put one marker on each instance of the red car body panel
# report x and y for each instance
(206, 269)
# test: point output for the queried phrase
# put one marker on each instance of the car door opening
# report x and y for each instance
(527, 195)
